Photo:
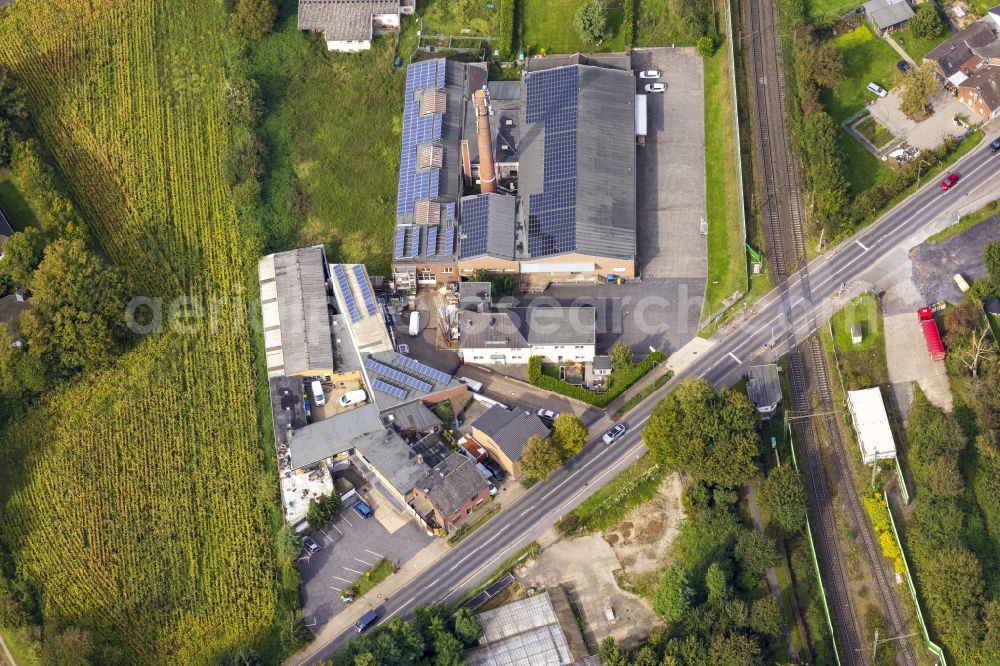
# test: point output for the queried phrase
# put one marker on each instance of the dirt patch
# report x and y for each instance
(643, 538)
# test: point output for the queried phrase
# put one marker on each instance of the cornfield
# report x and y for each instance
(139, 503)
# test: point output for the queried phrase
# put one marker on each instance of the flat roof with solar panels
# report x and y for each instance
(356, 300)
(396, 379)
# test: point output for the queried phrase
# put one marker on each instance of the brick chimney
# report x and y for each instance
(487, 173)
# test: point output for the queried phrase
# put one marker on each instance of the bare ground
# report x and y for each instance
(642, 540)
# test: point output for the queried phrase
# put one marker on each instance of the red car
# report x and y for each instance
(949, 181)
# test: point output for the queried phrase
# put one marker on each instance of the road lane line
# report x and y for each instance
(387, 617)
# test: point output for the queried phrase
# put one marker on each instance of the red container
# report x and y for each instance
(931, 334)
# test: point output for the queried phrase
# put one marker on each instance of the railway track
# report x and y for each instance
(782, 210)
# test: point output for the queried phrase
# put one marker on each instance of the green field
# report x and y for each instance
(866, 59)
(862, 365)
(15, 208)
(727, 263)
(332, 128)
(547, 27)
(830, 9)
(918, 47)
(140, 506)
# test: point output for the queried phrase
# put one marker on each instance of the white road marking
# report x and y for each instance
(735, 358)
(861, 245)
(363, 562)
(346, 521)
(346, 580)
(337, 528)
(336, 588)
(360, 573)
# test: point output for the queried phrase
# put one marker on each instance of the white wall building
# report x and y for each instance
(349, 25)
(871, 423)
(510, 336)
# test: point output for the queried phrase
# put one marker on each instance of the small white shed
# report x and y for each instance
(871, 423)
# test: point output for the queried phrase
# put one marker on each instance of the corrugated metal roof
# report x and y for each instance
(887, 13)
(343, 20)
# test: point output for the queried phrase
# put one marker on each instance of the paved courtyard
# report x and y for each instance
(928, 133)
(670, 184)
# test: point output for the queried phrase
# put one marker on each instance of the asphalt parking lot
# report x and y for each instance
(670, 185)
(351, 546)
(934, 266)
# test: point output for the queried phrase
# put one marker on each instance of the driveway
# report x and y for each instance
(925, 134)
(670, 184)
(351, 546)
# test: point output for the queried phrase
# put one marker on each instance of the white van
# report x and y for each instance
(319, 397)
(474, 386)
(876, 89)
(961, 282)
(414, 324)
(353, 398)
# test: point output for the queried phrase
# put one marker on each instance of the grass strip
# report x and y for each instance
(378, 573)
(470, 527)
(635, 485)
(644, 393)
(529, 552)
(967, 222)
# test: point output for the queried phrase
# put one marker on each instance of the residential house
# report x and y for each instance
(349, 25)
(888, 16)
(981, 92)
(956, 58)
(511, 336)
(764, 389)
(504, 433)
(446, 497)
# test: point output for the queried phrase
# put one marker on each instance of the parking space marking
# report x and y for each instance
(374, 553)
(347, 521)
(360, 573)
(346, 580)
(336, 588)
(336, 528)
(363, 562)
(327, 535)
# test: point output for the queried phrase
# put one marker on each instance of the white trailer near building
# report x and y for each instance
(871, 423)
(641, 121)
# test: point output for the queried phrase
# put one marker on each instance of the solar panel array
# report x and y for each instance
(475, 225)
(399, 245)
(366, 289)
(345, 289)
(450, 208)
(449, 240)
(425, 370)
(432, 240)
(414, 241)
(395, 375)
(418, 129)
(388, 388)
(552, 100)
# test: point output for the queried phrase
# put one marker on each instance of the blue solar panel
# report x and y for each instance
(432, 241)
(385, 387)
(551, 217)
(435, 187)
(417, 129)
(449, 240)
(397, 376)
(345, 289)
(366, 289)
(425, 370)
(414, 241)
(450, 208)
(397, 251)
(475, 225)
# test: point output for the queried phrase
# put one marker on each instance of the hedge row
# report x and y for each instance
(620, 381)
(507, 39)
(628, 22)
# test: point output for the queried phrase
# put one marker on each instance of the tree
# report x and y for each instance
(991, 259)
(245, 159)
(673, 595)
(243, 102)
(917, 87)
(77, 321)
(710, 435)
(591, 21)
(569, 434)
(717, 582)
(541, 457)
(755, 553)
(705, 46)
(22, 253)
(254, 18)
(621, 356)
(734, 650)
(68, 647)
(13, 113)
(926, 23)
(784, 497)
(467, 627)
(765, 617)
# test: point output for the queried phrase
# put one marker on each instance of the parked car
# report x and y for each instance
(949, 181)
(876, 89)
(353, 398)
(547, 415)
(650, 74)
(903, 66)
(656, 87)
(995, 146)
(414, 329)
(365, 621)
(962, 283)
(317, 390)
(310, 544)
(363, 509)
(614, 433)
(495, 469)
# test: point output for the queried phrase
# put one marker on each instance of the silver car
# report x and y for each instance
(614, 433)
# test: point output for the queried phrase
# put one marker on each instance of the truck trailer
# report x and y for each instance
(931, 334)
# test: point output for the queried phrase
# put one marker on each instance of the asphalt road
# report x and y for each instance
(784, 317)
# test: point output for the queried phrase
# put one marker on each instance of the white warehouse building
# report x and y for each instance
(510, 336)
(871, 423)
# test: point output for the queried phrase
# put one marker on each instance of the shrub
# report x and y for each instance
(706, 47)
(628, 21)
(620, 382)
(926, 23)
(591, 21)
(673, 596)
(242, 101)
(507, 39)
(254, 18)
